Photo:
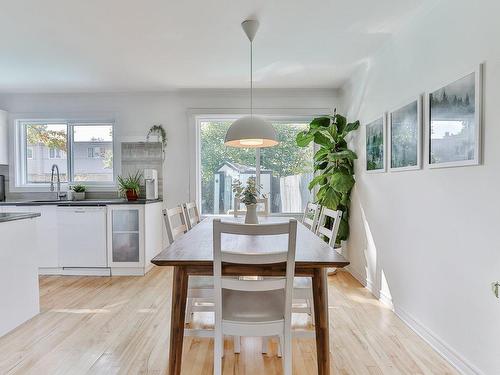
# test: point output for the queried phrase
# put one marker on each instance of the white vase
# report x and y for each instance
(251, 215)
(78, 196)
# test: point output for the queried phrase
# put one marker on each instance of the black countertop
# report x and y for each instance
(11, 216)
(87, 202)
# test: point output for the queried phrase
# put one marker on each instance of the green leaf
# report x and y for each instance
(342, 182)
(331, 198)
(321, 192)
(315, 181)
(323, 138)
(321, 166)
(321, 154)
(343, 232)
(345, 200)
(341, 122)
(346, 154)
(304, 138)
(351, 126)
(319, 122)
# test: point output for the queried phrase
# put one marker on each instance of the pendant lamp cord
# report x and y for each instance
(251, 78)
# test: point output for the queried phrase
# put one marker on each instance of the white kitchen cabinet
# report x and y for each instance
(19, 292)
(4, 151)
(46, 234)
(82, 237)
(134, 237)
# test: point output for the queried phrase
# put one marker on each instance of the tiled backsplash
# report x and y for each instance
(137, 156)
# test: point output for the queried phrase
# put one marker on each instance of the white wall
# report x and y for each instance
(430, 238)
(135, 113)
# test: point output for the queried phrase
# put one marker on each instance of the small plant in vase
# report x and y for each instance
(248, 195)
(130, 186)
(78, 192)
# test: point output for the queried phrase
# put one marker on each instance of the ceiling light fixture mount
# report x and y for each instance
(251, 131)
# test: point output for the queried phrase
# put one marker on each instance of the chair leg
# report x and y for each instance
(218, 352)
(265, 345)
(280, 346)
(189, 311)
(237, 344)
(287, 353)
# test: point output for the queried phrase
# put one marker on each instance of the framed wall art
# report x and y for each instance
(454, 128)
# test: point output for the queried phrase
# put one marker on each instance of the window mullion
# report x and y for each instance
(257, 166)
(69, 152)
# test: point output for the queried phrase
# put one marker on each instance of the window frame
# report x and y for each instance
(17, 169)
(279, 116)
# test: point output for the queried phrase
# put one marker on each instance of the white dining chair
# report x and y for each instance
(262, 207)
(311, 216)
(302, 288)
(200, 288)
(191, 213)
(259, 307)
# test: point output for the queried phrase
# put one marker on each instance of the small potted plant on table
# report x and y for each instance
(78, 192)
(130, 186)
(248, 195)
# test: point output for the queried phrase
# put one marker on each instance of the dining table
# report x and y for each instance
(192, 254)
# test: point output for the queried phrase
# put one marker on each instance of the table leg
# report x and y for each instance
(320, 294)
(177, 316)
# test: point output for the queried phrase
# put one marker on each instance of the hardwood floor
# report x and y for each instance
(120, 325)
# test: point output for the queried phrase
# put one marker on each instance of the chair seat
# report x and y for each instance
(252, 307)
(201, 282)
(302, 283)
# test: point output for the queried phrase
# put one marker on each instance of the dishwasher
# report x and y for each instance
(82, 237)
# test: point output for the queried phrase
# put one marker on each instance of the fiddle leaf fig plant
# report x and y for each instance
(333, 164)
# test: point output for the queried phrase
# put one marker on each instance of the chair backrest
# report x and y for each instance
(242, 258)
(171, 216)
(191, 214)
(263, 202)
(322, 229)
(311, 216)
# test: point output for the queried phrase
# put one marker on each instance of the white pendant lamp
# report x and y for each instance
(251, 131)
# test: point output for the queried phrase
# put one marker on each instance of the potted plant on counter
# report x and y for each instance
(130, 186)
(78, 193)
(248, 195)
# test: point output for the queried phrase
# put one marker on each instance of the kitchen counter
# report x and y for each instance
(86, 202)
(11, 216)
(19, 296)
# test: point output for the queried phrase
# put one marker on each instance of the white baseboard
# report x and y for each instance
(127, 271)
(77, 271)
(47, 271)
(440, 346)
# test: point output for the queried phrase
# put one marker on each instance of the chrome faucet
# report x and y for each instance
(56, 168)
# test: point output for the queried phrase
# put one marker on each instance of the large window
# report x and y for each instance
(285, 170)
(66, 144)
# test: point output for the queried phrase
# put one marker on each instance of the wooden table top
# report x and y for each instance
(195, 247)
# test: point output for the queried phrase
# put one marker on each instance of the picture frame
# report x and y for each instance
(454, 122)
(375, 145)
(404, 124)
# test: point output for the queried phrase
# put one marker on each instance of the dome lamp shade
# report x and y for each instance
(251, 132)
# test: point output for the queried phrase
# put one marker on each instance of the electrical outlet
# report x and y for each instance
(495, 287)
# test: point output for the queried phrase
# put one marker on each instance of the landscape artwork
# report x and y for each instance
(375, 144)
(405, 137)
(454, 125)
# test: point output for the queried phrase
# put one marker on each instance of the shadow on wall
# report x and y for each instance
(374, 277)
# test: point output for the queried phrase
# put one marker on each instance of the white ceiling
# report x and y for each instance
(149, 45)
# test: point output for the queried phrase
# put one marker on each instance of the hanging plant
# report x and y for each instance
(161, 134)
(333, 164)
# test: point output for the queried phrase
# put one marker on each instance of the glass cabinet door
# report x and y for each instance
(125, 235)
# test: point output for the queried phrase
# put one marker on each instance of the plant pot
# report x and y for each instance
(78, 196)
(251, 214)
(131, 195)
